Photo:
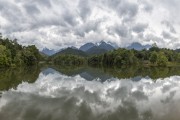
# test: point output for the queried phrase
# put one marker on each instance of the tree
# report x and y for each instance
(4, 59)
(13, 54)
(28, 58)
(0, 35)
(68, 60)
(153, 58)
(162, 59)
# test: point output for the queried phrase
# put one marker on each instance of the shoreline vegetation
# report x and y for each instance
(13, 54)
(154, 57)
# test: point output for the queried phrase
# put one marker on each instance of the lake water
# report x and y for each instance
(86, 93)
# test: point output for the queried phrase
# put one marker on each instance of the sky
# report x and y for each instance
(57, 24)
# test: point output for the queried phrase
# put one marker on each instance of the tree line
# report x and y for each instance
(14, 54)
(123, 57)
(68, 60)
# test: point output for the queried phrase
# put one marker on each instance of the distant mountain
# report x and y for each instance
(87, 73)
(96, 50)
(138, 46)
(74, 47)
(113, 45)
(48, 52)
(71, 51)
(43, 54)
(84, 50)
(177, 50)
(106, 46)
(86, 46)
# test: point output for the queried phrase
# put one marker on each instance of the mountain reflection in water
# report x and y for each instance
(86, 94)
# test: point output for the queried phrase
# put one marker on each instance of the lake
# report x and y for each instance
(89, 93)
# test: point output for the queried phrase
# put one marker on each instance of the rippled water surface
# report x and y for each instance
(89, 94)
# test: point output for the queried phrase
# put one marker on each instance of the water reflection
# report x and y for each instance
(135, 73)
(88, 73)
(55, 96)
(10, 78)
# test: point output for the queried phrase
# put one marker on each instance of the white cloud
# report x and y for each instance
(58, 24)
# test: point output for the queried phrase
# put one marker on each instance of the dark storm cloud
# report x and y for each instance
(139, 27)
(146, 5)
(169, 25)
(84, 9)
(152, 37)
(167, 35)
(127, 10)
(31, 9)
(87, 27)
(148, 8)
(46, 3)
(10, 12)
(69, 18)
(14, 16)
(123, 8)
(113, 3)
(68, 23)
(121, 30)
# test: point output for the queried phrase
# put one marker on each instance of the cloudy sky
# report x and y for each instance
(57, 24)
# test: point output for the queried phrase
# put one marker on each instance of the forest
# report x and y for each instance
(13, 54)
(123, 57)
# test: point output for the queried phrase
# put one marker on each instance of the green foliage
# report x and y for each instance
(13, 54)
(12, 77)
(4, 56)
(123, 57)
(154, 49)
(95, 60)
(71, 51)
(162, 59)
(96, 51)
(120, 57)
(154, 57)
(68, 60)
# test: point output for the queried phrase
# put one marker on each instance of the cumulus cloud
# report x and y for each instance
(58, 24)
(84, 9)
(121, 30)
(169, 26)
(171, 39)
(146, 5)
(140, 27)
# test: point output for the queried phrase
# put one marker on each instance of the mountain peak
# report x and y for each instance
(106, 46)
(101, 42)
(97, 48)
(113, 44)
(48, 52)
(73, 47)
(86, 46)
(71, 51)
(138, 46)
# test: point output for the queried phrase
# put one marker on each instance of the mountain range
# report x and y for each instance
(71, 51)
(93, 49)
(138, 46)
(87, 49)
(98, 48)
(48, 52)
